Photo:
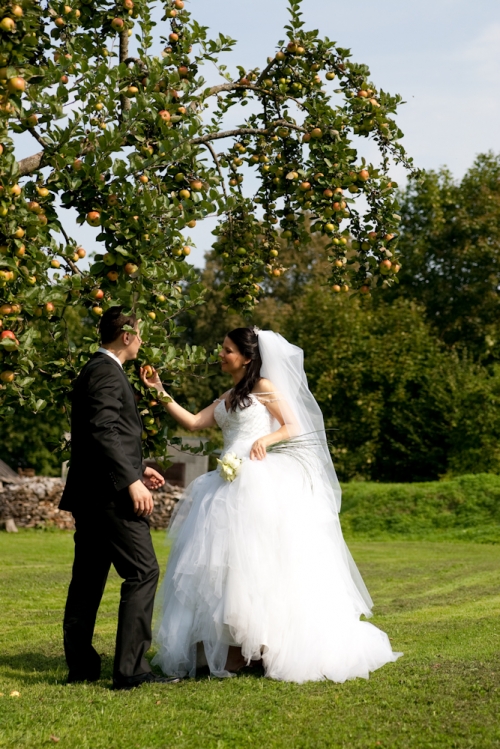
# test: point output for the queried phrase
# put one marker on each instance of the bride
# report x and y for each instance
(259, 570)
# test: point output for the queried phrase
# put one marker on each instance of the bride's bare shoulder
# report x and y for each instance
(222, 397)
(263, 387)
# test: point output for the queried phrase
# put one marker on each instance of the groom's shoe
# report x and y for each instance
(76, 678)
(146, 679)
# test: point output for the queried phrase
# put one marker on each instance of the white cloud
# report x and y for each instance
(484, 54)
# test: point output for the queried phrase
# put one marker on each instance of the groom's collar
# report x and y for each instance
(102, 350)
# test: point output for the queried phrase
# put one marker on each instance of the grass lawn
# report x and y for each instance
(439, 602)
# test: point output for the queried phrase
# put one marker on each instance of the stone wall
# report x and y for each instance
(33, 503)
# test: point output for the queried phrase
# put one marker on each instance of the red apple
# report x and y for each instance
(131, 268)
(94, 218)
(117, 24)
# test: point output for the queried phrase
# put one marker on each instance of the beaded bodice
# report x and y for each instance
(244, 424)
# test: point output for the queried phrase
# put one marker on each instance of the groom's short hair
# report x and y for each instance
(113, 322)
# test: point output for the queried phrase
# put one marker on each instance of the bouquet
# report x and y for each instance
(229, 466)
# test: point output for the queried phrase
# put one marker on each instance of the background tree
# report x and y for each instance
(123, 137)
(450, 241)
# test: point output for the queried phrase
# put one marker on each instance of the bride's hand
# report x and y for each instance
(153, 381)
(258, 451)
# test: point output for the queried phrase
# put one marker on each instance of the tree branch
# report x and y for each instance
(217, 164)
(125, 103)
(30, 164)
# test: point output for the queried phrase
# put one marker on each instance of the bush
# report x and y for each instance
(467, 507)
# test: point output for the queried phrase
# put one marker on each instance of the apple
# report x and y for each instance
(365, 289)
(60, 22)
(276, 272)
(16, 309)
(113, 275)
(8, 335)
(389, 237)
(336, 288)
(131, 268)
(131, 91)
(128, 4)
(16, 85)
(19, 233)
(42, 219)
(364, 175)
(173, 37)
(7, 375)
(181, 110)
(33, 206)
(77, 165)
(54, 263)
(396, 267)
(6, 309)
(191, 223)
(15, 190)
(97, 294)
(179, 4)
(329, 227)
(385, 266)
(1, 149)
(164, 115)
(80, 252)
(21, 251)
(152, 315)
(42, 191)
(184, 194)
(94, 218)
(109, 259)
(117, 24)
(64, 79)
(316, 133)
(306, 138)
(17, 11)
(183, 71)
(97, 311)
(274, 253)
(49, 308)
(161, 298)
(196, 185)
(330, 75)
(7, 24)
(143, 179)
(147, 371)
(328, 193)
(186, 250)
(363, 94)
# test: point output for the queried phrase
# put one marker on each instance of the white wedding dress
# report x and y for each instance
(260, 562)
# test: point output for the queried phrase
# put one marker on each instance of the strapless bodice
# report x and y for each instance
(244, 424)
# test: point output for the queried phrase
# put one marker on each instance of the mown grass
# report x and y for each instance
(466, 508)
(439, 602)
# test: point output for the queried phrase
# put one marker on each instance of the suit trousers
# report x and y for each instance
(112, 535)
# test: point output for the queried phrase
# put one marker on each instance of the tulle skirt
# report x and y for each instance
(260, 563)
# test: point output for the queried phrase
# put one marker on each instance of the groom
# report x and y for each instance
(109, 495)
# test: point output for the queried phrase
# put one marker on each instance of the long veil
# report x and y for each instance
(283, 365)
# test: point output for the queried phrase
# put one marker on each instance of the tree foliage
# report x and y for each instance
(450, 242)
(131, 142)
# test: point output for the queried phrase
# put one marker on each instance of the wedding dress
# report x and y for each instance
(260, 563)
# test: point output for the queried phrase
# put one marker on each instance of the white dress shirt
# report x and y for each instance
(102, 350)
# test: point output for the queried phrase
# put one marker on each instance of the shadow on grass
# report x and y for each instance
(37, 668)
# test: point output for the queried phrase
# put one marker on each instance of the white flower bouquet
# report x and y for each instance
(229, 466)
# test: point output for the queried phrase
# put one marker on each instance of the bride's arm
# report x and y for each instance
(186, 419)
(279, 410)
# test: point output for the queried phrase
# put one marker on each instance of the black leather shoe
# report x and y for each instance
(146, 679)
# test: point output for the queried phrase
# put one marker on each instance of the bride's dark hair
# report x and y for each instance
(247, 343)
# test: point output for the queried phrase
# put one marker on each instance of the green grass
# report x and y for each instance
(466, 508)
(439, 602)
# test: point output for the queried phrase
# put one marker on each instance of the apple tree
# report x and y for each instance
(128, 133)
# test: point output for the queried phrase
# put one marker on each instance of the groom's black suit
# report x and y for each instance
(106, 457)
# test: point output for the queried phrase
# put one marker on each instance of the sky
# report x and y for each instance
(442, 56)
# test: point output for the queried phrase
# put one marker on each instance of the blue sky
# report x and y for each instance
(442, 56)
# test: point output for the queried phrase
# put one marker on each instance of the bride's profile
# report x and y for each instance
(259, 571)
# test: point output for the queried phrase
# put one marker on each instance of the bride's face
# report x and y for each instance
(232, 360)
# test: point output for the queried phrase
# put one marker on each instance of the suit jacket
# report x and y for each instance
(106, 429)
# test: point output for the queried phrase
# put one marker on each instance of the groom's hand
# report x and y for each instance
(141, 498)
(152, 478)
